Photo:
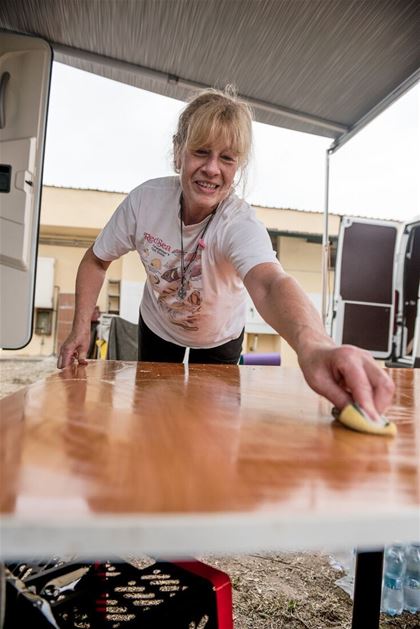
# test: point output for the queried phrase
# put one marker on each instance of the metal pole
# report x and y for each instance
(325, 242)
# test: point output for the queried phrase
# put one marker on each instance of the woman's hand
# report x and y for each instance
(347, 374)
(74, 348)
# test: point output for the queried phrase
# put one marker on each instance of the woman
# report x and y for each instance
(203, 248)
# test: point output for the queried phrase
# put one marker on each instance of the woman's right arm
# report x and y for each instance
(89, 280)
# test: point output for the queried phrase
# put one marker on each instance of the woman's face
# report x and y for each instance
(207, 176)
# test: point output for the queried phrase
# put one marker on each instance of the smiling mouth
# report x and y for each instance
(206, 185)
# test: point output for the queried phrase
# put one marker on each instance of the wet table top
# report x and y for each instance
(169, 459)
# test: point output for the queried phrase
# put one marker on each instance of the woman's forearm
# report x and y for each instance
(285, 306)
(89, 280)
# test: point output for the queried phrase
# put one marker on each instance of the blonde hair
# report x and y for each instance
(214, 116)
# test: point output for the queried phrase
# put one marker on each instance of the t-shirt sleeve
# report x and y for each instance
(119, 234)
(247, 244)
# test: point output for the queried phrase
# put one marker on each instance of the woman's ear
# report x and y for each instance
(177, 159)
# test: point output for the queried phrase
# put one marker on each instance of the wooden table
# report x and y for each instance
(167, 459)
(172, 460)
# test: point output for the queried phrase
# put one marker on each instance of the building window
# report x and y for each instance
(113, 297)
(43, 321)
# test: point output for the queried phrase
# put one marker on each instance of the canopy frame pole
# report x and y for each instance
(62, 53)
(380, 107)
(325, 242)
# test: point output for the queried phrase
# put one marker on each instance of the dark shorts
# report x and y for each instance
(154, 349)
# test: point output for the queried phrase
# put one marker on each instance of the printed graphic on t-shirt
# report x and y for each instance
(163, 267)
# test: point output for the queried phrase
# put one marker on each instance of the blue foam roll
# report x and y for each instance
(260, 359)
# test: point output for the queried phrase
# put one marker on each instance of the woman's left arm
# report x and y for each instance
(342, 374)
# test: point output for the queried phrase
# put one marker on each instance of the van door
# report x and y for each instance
(363, 304)
(25, 70)
(407, 285)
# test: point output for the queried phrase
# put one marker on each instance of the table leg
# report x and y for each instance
(367, 590)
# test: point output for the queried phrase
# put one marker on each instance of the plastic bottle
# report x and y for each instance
(392, 592)
(412, 579)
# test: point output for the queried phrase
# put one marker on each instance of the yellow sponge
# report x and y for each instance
(354, 417)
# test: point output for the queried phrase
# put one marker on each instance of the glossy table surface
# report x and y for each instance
(171, 459)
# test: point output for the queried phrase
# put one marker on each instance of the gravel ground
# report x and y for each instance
(276, 591)
(15, 374)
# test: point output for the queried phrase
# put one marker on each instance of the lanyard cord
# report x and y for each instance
(184, 269)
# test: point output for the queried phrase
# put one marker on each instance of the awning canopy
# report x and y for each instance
(320, 66)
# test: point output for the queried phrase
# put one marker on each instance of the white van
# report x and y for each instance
(376, 302)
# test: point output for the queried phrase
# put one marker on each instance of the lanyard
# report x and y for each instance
(182, 292)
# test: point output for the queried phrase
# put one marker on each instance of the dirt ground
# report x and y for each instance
(274, 591)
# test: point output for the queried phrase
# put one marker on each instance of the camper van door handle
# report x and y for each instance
(3, 82)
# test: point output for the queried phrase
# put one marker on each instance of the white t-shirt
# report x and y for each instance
(213, 310)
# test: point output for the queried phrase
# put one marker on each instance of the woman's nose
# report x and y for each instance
(211, 165)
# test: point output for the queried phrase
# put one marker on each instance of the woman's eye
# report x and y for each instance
(228, 158)
(200, 152)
